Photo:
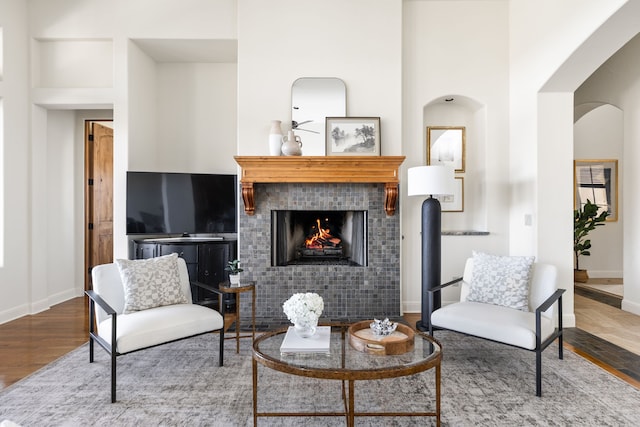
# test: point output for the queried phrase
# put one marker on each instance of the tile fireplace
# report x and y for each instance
(360, 282)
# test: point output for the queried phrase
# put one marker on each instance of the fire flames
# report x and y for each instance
(322, 238)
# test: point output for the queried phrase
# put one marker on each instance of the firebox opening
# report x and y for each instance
(318, 237)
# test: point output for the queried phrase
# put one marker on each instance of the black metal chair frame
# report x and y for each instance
(540, 345)
(94, 299)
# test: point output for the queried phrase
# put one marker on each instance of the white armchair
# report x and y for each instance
(533, 329)
(121, 329)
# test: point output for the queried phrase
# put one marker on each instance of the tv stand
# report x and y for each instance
(183, 239)
(206, 259)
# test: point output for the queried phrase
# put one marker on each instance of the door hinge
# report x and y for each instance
(90, 226)
(90, 137)
(90, 181)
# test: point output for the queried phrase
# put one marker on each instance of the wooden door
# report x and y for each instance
(98, 197)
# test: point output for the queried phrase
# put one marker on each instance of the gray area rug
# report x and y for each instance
(180, 384)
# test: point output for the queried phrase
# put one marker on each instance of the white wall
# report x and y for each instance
(62, 213)
(359, 41)
(70, 59)
(599, 135)
(197, 117)
(460, 49)
(142, 101)
(14, 273)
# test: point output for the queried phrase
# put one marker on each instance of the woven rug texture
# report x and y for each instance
(180, 384)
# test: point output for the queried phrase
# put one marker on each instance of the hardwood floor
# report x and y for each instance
(607, 336)
(611, 324)
(31, 342)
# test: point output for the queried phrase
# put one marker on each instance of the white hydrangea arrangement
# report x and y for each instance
(303, 308)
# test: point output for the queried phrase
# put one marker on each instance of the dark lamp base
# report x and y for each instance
(425, 328)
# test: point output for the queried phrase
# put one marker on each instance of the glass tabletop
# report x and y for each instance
(345, 362)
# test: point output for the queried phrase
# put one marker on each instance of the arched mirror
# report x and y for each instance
(312, 100)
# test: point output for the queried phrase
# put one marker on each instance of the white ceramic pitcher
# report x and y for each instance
(291, 145)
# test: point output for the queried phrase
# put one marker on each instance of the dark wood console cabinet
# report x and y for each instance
(206, 260)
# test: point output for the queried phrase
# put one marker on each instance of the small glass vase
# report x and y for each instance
(305, 329)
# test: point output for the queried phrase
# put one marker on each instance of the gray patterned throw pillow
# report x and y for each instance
(151, 282)
(501, 280)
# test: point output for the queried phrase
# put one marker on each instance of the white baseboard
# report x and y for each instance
(411, 307)
(568, 320)
(38, 306)
(416, 306)
(64, 296)
(14, 313)
(604, 274)
(631, 307)
(45, 304)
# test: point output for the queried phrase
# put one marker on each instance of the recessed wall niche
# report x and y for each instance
(450, 110)
(182, 97)
(72, 63)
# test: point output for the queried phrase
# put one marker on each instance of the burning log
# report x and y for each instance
(321, 238)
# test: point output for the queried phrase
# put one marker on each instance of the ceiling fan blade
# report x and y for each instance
(295, 124)
(308, 130)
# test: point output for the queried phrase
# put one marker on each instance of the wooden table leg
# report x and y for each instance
(237, 323)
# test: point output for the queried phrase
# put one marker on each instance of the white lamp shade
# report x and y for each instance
(430, 180)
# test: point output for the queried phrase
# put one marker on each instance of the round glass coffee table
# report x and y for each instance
(343, 362)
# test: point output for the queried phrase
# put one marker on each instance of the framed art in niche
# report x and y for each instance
(446, 146)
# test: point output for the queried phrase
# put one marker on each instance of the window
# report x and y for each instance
(597, 181)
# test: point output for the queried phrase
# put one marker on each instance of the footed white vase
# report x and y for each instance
(305, 329)
(291, 145)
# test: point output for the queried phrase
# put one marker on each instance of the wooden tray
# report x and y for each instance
(361, 338)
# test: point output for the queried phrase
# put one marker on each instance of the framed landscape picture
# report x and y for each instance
(353, 136)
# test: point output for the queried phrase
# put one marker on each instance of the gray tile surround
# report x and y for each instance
(349, 292)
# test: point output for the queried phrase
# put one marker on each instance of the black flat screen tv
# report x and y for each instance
(179, 203)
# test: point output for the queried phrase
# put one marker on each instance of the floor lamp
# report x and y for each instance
(430, 181)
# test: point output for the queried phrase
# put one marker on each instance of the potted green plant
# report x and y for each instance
(233, 267)
(585, 220)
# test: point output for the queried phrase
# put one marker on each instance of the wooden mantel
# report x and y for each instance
(320, 169)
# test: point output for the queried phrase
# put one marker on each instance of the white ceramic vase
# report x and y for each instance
(305, 329)
(275, 138)
(291, 145)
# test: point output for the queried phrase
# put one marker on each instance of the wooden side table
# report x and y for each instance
(238, 289)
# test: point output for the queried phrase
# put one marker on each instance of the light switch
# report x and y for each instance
(528, 220)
